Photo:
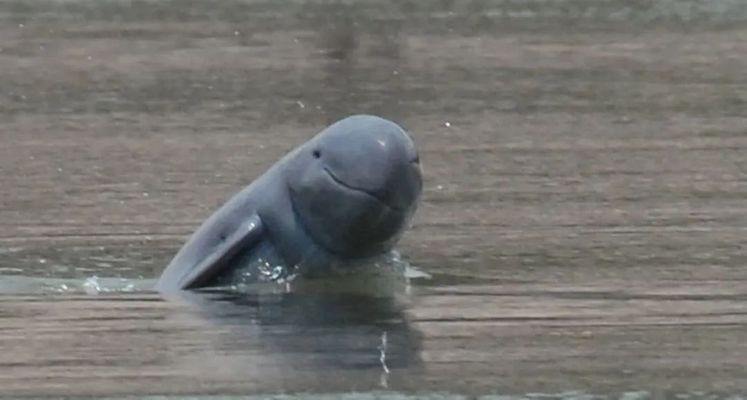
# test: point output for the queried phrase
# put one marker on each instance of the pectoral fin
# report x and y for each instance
(216, 260)
(247, 234)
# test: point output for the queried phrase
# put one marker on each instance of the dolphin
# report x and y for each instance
(345, 195)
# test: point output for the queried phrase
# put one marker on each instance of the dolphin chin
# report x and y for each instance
(356, 219)
(366, 192)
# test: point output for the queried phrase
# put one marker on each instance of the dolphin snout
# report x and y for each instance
(402, 184)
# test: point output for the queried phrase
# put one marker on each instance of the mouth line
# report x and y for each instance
(364, 191)
(307, 231)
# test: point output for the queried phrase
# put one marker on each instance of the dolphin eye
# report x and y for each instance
(316, 153)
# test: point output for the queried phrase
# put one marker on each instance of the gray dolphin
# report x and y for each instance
(345, 195)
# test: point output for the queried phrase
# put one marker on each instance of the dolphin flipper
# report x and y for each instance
(248, 233)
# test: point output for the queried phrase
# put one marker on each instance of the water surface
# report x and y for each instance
(583, 220)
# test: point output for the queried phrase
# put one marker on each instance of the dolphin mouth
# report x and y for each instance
(368, 193)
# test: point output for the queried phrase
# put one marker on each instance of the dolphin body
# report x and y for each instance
(345, 195)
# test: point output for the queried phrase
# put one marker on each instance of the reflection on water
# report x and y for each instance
(511, 339)
(583, 216)
(203, 342)
(330, 330)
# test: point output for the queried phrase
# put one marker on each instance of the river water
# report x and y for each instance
(582, 232)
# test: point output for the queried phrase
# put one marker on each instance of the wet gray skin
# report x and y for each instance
(345, 195)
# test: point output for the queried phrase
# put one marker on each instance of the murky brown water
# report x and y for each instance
(584, 217)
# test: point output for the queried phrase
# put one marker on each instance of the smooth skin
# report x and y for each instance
(345, 195)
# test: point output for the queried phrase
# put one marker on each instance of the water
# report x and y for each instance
(582, 230)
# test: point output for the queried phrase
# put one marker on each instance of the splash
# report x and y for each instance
(381, 275)
(93, 285)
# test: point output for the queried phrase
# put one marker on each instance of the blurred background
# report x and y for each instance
(585, 169)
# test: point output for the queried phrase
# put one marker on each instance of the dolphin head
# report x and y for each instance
(355, 186)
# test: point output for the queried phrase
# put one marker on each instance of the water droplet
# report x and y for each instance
(277, 272)
(300, 104)
(21, 25)
(236, 33)
(269, 272)
(447, 123)
(91, 285)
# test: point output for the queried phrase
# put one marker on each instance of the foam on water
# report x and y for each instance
(382, 274)
(18, 284)
(388, 274)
